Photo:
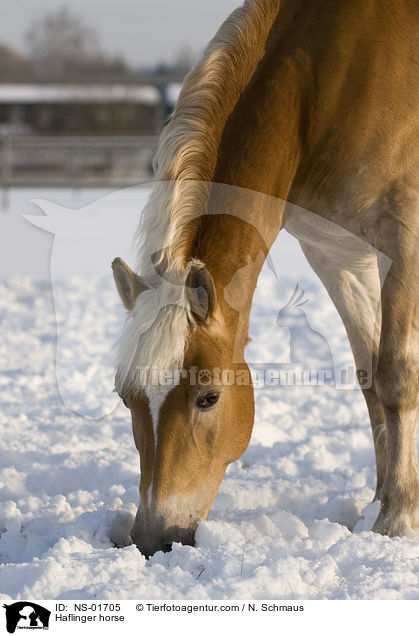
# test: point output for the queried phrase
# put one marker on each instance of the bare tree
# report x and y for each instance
(60, 46)
(12, 65)
(184, 59)
(180, 63)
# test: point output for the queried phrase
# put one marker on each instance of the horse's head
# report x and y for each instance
(190, 419)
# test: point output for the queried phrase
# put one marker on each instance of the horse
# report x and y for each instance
(301, 115)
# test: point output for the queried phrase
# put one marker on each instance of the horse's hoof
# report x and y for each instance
(398, 525)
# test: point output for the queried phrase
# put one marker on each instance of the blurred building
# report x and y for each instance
(77, 109)
(80, 134)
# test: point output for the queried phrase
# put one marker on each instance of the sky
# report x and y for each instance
(143, 32)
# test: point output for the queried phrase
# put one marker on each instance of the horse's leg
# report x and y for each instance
(355, 294)
(397, 377)
(378, 426)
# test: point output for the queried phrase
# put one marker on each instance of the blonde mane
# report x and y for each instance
(156, 330)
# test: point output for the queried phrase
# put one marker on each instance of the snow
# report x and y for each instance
(292, 517)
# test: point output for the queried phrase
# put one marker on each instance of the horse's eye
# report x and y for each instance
(206, 401)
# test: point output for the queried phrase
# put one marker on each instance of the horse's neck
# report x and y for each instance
(258, 156)
(247, 202)
(260, 145)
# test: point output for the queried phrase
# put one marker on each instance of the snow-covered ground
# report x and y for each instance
(287, 521)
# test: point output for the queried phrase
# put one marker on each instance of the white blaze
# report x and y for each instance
(156, 396)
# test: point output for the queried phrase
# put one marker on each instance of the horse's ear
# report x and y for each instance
(200, 291)
(128, 284)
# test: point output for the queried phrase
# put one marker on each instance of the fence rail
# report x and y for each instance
(75, 162)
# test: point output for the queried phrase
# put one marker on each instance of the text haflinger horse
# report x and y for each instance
(300, 115)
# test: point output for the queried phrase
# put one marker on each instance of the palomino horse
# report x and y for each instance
(310, 102)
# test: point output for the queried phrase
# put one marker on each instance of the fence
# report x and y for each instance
(76, 162)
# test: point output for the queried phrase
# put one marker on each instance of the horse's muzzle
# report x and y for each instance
(149, 540)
